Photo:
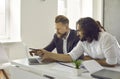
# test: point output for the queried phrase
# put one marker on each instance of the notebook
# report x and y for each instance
(92, 66)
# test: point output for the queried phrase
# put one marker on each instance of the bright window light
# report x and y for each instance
(76, 9)
(2, 18)
(10, 21)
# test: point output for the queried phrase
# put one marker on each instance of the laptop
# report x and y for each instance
(35, 60)
(106, 74)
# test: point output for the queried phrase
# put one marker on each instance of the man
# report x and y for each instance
(64, 39)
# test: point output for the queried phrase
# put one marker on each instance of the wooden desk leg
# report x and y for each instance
(4, 73)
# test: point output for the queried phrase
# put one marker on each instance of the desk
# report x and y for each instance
(52, 69)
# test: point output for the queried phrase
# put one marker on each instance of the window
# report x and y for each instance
(75, 9)
(2, 19)
(10, 21)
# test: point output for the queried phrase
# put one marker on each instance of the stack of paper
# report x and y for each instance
(92, 66)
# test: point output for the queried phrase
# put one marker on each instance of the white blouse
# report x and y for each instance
(106, 47)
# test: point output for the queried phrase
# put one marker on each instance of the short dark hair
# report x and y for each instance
(62, 19)
(90, 29)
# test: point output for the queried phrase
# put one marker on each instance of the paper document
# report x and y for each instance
(64, 68)
(67, 67)
(92, 66)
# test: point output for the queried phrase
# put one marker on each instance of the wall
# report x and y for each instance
(112, 17)
(98, 10)
(37, 26)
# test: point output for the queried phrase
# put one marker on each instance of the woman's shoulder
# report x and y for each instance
(106, 35)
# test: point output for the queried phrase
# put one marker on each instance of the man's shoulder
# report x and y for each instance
(73, 34)
(55, 36)
(73, 31)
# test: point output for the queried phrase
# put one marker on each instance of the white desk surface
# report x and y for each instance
(54, 69)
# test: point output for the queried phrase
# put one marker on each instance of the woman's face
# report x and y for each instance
(79, 31)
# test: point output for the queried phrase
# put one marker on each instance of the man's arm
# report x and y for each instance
(51, 46)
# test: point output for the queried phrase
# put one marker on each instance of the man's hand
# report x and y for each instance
(45, 55)
(36, 52)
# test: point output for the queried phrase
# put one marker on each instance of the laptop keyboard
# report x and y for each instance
(34, 61)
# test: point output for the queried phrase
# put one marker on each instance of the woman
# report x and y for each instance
(97, 44)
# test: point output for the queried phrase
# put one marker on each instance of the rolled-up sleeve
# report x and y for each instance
(77, 51)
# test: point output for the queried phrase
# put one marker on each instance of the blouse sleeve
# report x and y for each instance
(110, 49)
(77, 51)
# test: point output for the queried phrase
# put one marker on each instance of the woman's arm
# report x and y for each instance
(103, 63)
(56, 57)
(100, 61)
(67, 58)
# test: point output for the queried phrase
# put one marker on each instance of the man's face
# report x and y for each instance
(61, 29)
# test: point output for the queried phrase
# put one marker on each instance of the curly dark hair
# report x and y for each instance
(90, 29)
(100, 25)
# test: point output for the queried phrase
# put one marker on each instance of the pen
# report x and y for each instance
(48, 76)
(65, 65)
(83, 71)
